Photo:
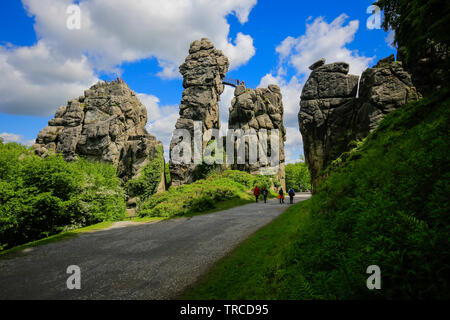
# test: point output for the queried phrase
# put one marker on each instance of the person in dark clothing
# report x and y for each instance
(256, 193)
(265, 193)
(281, 195)
(291, 193)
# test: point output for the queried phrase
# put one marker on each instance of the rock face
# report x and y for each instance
(259, 109)
(107, 124)
(331, 114)
(203, 71)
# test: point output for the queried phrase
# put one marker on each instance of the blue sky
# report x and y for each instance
(44, 64)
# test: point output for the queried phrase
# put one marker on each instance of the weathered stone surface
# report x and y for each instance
(383, 88)
(260, 109)
(203, 71)
(317, 64)
(107, 124)
(331, 114)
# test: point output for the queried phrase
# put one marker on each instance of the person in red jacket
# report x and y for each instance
(256, 193)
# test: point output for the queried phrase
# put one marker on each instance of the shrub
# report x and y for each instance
(248, 180)
(146, 184)
(199, 196)
(42, 197)
(387, 206)
(298, 174)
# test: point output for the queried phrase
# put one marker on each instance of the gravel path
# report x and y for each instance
(155, 260)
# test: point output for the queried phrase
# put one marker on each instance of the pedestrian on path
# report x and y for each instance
(265, 193)
(281, 195)
(256, 193)
(291, 193)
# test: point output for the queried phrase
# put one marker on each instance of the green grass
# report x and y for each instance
(253, 270)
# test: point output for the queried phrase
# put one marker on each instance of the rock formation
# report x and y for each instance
(331, 114)
(203, 71)
(259, 109)
(107, 124)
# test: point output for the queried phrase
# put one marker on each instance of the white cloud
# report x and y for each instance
(390, 38)
(240, 53)
(224, 106)
(37, 79)
(151, 102)
(324, 40)
(321, 40)
(13, 137)
(293, 146)
(113, 31)
(161, 120)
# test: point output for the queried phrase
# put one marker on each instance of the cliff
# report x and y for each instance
(332, 114)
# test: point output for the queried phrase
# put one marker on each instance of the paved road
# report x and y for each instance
(141, 261)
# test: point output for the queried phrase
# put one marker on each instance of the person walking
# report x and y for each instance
(291, 193)
(281, 195)
(265, 193)
(256, 193)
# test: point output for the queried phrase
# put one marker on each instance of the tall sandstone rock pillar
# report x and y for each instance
(260, 109)
(332, 115)
(203, 71)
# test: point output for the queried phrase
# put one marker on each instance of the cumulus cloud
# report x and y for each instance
(37, 80)
(161, 119)
(324, 40)
(64, 62)
(390, 39)
(13, 137)
(114, 31)
(321, 40)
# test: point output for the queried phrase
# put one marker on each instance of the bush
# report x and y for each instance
(385, 204)
(146, 184)
(42, 197)
(249, 180)
(199, 196)
(298, 174)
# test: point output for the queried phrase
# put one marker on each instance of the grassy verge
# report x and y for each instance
(252, 270)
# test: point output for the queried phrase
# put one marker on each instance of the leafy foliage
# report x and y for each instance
(42, 197)
(298, 174)
(146, 184)
(203, 194)
(419, 25)
(387, 206)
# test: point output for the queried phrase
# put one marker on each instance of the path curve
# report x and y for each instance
(138, 261)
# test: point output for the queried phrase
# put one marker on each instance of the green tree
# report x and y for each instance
(422, 38)
(297, 174)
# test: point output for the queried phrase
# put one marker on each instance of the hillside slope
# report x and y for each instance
(384, 203)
